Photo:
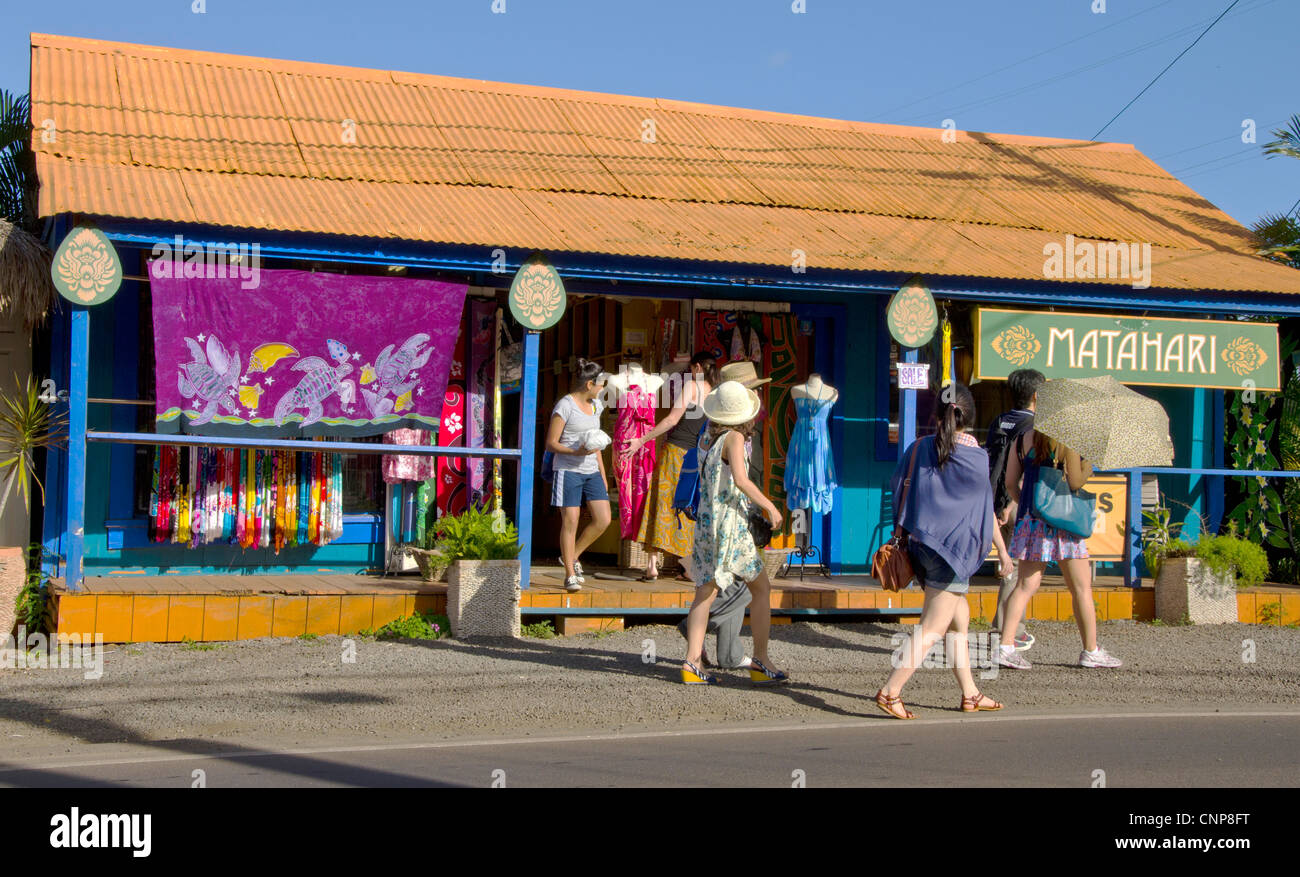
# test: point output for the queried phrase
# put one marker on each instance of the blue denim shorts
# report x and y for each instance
(932, 571)
(570, 489)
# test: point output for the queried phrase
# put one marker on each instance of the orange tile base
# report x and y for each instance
(125, 617)
(222, 617)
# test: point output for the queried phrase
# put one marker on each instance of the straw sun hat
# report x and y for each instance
(743, 371)
(731, 404)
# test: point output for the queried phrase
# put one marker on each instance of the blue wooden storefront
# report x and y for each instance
(89, 527)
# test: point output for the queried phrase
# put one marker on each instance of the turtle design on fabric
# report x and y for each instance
(211, 376)
(392, 369)
(321, 381)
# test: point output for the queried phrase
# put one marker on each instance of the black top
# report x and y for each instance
(687, 431)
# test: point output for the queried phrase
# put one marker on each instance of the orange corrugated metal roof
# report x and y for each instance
(197, 137)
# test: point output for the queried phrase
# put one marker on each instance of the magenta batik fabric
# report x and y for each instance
(636, 417)
(482, 322)
(302, 353)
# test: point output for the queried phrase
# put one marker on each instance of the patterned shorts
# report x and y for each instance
(1037, 541)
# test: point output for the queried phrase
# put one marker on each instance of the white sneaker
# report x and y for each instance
(577, 571)
(572, 584)
(1099, 658)
(1013, 659)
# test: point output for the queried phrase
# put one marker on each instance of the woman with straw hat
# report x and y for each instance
(725, 555)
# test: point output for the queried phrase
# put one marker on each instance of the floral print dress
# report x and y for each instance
(724, 551)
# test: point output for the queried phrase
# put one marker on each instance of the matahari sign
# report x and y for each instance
(1153, 351)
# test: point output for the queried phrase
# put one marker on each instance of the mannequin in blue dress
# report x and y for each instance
(810, 471)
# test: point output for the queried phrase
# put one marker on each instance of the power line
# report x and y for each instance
(1234, 154)
(1033, 86)
(1219, 168)
(1016, 92)
(1026, 60)
(1166, 70)
(1165, 155)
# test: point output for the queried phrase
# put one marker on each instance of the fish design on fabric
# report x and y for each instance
(210, 376)
(394, 372)
(338, 350)
(266, 355)
(321, 381)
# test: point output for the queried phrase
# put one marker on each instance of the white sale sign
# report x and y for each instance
(913, 375)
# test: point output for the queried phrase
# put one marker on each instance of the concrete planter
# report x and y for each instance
(483, 598)
(1187, 588)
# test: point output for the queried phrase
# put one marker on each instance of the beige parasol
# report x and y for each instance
(1109, 425)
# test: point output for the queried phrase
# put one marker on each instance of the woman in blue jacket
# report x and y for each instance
(948, 516)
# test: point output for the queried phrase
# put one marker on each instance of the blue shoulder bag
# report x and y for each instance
(686, 498)
(1073, 511)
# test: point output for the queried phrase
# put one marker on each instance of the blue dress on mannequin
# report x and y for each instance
(809, 469)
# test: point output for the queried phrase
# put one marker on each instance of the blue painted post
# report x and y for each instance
(907, 408)
(1134, 527)
(56, 469)
(528, 454)
(1197, 485)
(1214, 483)
(78, 393)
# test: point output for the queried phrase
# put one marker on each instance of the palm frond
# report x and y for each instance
(1287, 142)
(26, 425)
(1277, 236)
(17, 162)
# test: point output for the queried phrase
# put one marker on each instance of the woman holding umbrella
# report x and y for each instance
(1111, 423)
(1035, 543)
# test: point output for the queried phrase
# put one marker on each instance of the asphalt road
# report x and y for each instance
(1240, 748)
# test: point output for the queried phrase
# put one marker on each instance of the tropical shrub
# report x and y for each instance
(475, 535)
(1232, 554)
(1225, 554)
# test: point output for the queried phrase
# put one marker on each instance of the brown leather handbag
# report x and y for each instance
(892, 566)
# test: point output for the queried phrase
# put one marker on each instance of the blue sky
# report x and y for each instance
(1046, 67)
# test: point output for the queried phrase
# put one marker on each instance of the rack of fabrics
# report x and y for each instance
(250, 498)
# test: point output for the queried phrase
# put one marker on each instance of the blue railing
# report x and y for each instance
(1134, 536)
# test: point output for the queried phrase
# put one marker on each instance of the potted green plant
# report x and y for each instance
(26, 425)
(482, 554)
(432, 562)
(1198, 582)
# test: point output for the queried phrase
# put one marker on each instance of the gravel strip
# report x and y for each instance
(302, 691)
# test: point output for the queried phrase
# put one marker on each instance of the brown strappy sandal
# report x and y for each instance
(888, 702)
(972, 704)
